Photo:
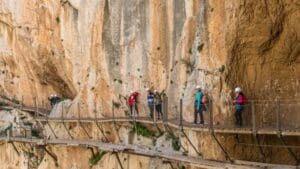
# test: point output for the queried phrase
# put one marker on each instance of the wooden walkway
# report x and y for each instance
(146, 151)
(42, 115)
(175, 124)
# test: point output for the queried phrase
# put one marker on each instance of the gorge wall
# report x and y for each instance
(100, 50)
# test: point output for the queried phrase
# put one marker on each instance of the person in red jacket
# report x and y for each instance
(239, 102)
(132, 103)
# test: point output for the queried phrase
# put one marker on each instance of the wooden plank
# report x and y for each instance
(149, 152)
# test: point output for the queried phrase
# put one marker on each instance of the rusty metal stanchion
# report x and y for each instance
(154, 113)
(166, 108)
(35, 105)
(211, 121)
(113, 111)
(22, 102)
(278, 127)
(62, 111)
(180, 115)
(78, 111)
(253, 117)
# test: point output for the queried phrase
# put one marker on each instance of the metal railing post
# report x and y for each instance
(253, 117)
(211, 122)
(163, 109)
(95, 109)
(35, 105)
(62, 111)
(180, 115)
(8, 134)
(22, 102)
(154, 113)
(278, 127)
(166, 108)
(78, 109)
(113, 110)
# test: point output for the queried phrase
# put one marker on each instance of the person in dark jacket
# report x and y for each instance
(158, 104)
(52, 100)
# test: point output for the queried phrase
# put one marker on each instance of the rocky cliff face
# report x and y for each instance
(100, 50)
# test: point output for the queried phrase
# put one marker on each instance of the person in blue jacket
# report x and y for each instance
(198, 106)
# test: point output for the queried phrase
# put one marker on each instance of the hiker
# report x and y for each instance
(239, 102)
(52, 100)
(198, 106)
(158, 106)
(56, 99)
(132, 102)
(150, 101)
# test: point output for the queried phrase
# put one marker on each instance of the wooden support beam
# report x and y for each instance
(290, 150)
(52, 155)
(191, 143)
(15, 148)
(119, 160)
(222, 148)
(257, 140)
(51, 129)
(64, 124)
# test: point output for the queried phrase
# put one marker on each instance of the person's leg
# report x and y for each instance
(159, 111)
(201, 115)
(151, 110)
(240, 117)
(195, 115)
(236, 117)
(130, 111)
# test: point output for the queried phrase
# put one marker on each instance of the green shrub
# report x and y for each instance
(15, 101)
(35, 133)
(5, 97)
(116, 104)
(141, 130)
(96, 158)
(57, 19)
(3, 104)
(175, 141)
(28, 123)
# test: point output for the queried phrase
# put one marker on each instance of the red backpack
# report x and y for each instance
(244, 99)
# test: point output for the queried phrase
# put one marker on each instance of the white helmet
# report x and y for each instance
(147, 89)
(237, 90)
(198, 87)
(155, 91)
(131, 91)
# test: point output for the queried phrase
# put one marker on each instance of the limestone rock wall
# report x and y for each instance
(100, 50)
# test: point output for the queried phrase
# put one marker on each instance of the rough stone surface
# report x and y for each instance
(100, 50)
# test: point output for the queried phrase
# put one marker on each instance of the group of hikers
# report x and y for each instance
(201, 101)
(154, 101)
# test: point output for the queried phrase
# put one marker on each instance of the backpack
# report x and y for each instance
(204, 99)
(244, 99)
(241, 99)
